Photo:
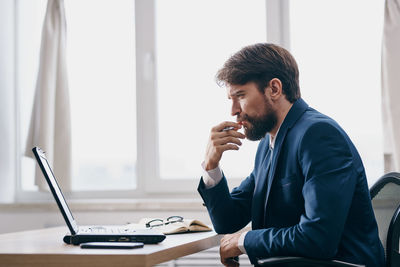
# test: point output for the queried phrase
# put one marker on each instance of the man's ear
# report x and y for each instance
(275, 91)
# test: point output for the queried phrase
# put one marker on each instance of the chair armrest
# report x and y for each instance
(300, 261)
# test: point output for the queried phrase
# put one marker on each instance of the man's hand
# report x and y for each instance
(221, 140)
(229, 249)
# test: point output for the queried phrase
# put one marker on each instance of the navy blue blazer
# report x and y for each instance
(314, 202)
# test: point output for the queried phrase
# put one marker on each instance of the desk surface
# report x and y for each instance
(46, 248)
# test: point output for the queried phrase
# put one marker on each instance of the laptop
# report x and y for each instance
(95, 233)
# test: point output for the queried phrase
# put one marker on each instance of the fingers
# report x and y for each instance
(225, 241)
(220, 141)
(226, 140)
(220, 145)
(223, 148)
(222, 134)
(226, 124)
(230, 262)
(229, 250)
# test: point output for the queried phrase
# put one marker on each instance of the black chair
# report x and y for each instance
(385, 197)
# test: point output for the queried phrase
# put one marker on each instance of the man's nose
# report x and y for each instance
(235, 109)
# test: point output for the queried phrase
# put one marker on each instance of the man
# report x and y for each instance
(307, 194)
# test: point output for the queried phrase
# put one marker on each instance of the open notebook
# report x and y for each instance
(183, 226)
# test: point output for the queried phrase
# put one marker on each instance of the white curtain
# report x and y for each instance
(391, 85)
(50, 127)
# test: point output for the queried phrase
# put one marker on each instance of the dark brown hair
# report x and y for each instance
(260, 63)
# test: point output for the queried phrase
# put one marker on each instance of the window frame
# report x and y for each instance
(149, 182)
(147, 126)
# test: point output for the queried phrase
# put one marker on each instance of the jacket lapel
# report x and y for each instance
(296, 111)
(259, 193)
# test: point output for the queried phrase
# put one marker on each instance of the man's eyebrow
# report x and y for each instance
(238, 92)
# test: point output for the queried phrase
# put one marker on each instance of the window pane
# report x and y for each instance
(194, 38)
(337, 44)
(101, 70)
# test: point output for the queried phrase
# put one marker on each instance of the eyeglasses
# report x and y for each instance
(160, 222)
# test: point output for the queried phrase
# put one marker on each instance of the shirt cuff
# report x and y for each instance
(241, 243)
(212, 177)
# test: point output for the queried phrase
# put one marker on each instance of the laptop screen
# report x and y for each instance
(55, 189)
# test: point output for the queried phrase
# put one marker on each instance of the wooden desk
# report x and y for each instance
(46, 248)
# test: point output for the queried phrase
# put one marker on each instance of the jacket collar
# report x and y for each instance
(295, 112)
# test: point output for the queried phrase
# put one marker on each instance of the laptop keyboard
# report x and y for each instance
(105, 230)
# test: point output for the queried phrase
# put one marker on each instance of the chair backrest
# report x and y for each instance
(393, 241)
(385, 196)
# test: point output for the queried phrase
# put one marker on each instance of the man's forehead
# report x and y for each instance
(232, 89)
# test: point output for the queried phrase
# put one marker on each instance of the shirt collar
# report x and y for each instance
(273, 138)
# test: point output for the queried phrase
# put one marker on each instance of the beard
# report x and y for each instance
(260, 125)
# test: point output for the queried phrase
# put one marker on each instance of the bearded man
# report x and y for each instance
(307, 194)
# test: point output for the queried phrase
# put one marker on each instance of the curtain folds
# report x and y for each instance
(50, 126)
(391, 85)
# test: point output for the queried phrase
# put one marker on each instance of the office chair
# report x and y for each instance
(385, 197)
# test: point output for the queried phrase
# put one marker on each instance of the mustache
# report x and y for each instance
(241, 118)
(244, 117)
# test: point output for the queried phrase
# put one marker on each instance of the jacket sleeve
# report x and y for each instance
(325, 158)
(229, 212)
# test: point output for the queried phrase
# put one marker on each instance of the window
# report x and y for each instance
(143, 91)
(114, 126)
(101, 72)
(338, 51)
(191, 47)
